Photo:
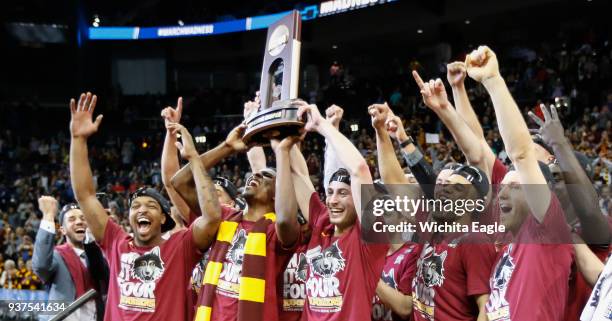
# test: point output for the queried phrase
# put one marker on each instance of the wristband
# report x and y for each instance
(407, 142)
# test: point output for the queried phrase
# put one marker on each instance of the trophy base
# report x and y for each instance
(278, 121)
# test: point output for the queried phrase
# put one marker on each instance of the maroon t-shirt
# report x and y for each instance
(530, 279)
(147, 283)
(342, 272)
(293, 289)
(398, 272)
(225, 303)
(450, 274)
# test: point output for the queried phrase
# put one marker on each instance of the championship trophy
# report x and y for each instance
(278, 91)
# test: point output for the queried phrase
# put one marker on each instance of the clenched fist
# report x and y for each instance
(334, 114)
(482, 64)
(455, 73)
(48, 206)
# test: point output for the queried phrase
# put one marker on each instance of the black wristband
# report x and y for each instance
(407, 142)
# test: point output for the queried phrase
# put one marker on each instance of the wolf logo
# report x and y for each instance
(328, 262)
(503, 271)
(302, 268)
(389, 278)
(148, 267)
(235, 254)
(433, 267)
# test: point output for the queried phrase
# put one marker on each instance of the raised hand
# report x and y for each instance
(395, 127)
(334, 114)
(455, 73)
(251, 107)
(234, 138)
(482, 64)
(433, 92)
(286, 143)
(81, 124)
(314, 118)
(379, 114)
(48, 206)
(551, 128)
(187, 148)
(173, 115)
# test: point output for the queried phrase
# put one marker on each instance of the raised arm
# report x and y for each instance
(169, 160)
(482, 66)
(331, 162)
(581, 192)
(389, 167)
(255, 155)
(456, 73)
(204, 227)
(347, 153)
(301, 181)
(42, 258)
(435, 97)
(423, 171)
(81, 127)
(285, 202)
(183, 179)
(587, 262)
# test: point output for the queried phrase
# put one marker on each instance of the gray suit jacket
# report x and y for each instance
(51, 269)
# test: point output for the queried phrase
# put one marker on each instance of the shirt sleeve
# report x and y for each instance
(318, 210)
(113, 233)
(191, 253)
(552, 230)
(478, 260)
(47, 226)
(373, 256)
(408, 269)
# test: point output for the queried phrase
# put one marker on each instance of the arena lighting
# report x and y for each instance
(467, 21)
(323, 9)
(200, 139)
(419, 31)
(181, 23)
(354, 127)
(144, 145)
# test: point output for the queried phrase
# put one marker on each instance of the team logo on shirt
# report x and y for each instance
(148, 267)
(229, 279)
(235, 254)
(329, 262)
(294, 289)
(302, 268)
(379, 311)
(389, 278)
(429, 276)
(433, 269)
(322, 286)
(137, 280)
(497, 306)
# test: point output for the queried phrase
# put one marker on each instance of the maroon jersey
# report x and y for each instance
(530, 279)
(399, 270)
(143, 280)
(341, 273)
(450, 275)
(225, 303)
